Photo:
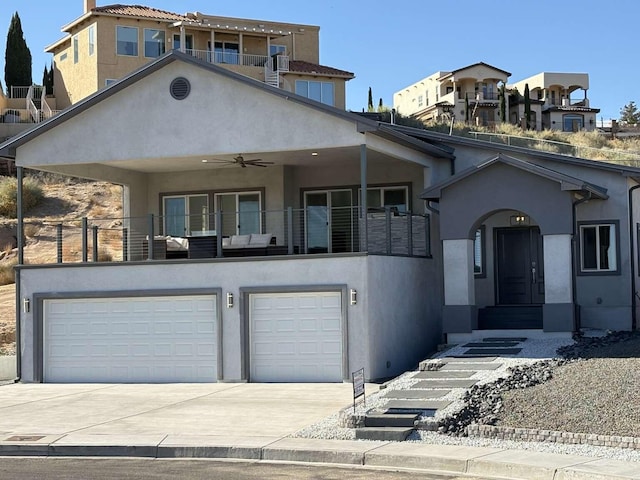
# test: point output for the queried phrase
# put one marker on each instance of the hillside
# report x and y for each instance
(64, 201)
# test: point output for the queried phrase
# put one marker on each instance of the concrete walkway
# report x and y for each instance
(246, 421)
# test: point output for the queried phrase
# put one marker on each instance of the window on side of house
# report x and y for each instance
(154, 42)
(396, 198)
(127, 41)
(277, 50)
(92, 39)
(75, 49)
(572, 123)
(109, 81)
(63, 56)
(599, 248)
(478, 254)
(319, 91)
(227, 52)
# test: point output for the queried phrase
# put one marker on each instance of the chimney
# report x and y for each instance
(89, 5)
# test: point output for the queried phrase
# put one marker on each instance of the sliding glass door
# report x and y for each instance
(240, 213)
(328, 221)
(184, 214)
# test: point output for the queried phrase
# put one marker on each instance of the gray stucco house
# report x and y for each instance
(270, 238)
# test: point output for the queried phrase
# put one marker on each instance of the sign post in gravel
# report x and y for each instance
(358, 387)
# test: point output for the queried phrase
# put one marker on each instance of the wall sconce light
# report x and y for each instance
(519, 219)
(353, 297)
(26, 305)
(229, 300)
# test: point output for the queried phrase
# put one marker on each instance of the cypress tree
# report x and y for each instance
(466, 107)
(370, 101)
(503, 103)
(17, 57)
(527, 105)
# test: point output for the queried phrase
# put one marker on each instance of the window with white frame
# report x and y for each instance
(154, 42)
(319, 91)
(127, 41)
(92, 39)
(277, 49)
(420, 100)
(75, 49)
(598, 247)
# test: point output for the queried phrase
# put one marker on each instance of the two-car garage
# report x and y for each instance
(291, 337)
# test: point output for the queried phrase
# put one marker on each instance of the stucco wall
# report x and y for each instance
(405, 299)
(378, 312)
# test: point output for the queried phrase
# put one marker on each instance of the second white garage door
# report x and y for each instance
(296, 337)
(130, 339)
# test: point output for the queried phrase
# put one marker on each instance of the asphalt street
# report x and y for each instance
(32, 468)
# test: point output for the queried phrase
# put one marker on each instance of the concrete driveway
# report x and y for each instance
(272, 410)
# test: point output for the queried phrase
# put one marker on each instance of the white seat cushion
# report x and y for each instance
(260, 239)
(239, 241)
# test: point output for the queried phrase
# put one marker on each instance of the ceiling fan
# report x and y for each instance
(240, 160)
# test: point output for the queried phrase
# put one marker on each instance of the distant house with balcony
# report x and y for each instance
(552, 105)
(466, 94)
(471, 94)
(109, 42)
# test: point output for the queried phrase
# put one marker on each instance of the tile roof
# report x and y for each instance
(139, 11)
(298, 66)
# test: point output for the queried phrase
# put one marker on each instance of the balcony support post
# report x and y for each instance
(219, 233)
(59, 242)
(364, 242)
(95, 242)
(85, 240)
(290, 230)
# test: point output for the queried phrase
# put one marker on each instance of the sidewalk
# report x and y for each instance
(243, 421)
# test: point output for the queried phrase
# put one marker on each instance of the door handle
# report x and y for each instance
(533, 274)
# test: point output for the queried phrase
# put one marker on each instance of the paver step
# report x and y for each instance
(470, 366)
(493, 351)
(390, 419)
(415, 394)
(443, 383)
(446, 374)
(389, 434)
(504, 339)
(485, 344)
(416, 405)
(485, 358)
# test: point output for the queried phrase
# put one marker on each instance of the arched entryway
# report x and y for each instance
(526, 214)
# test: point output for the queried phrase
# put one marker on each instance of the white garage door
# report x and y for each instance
(145, 339)
(296, 337)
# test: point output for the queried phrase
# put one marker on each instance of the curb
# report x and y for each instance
(428, 458)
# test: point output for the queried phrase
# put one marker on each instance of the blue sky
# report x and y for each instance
(389, 45)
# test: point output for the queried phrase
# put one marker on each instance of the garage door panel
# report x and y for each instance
(151, 339)
(296, 337)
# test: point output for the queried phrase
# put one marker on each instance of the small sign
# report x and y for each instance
(358, 386)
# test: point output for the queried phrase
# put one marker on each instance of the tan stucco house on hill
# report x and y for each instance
(108, 42)
(472, 94)
(308, 247)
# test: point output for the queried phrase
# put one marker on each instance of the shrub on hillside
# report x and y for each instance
(31, 195)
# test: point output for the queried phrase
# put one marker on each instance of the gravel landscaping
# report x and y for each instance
(588, 386)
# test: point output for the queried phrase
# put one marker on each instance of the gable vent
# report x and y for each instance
(180, 88)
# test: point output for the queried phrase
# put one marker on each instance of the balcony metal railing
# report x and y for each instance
(314, 230)
(243, 59)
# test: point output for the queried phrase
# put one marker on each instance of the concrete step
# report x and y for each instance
(415, 394)
(485, 344)
(505, 339)
(470, 366)
(444, 383)
(469, 359)
(390, 419)
(446, 374)
(388, 434)
(416, 405)
(493, 351)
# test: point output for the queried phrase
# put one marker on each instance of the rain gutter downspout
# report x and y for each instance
(634, 319)
(574, 260)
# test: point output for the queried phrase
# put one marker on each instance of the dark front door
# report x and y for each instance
(519, 266)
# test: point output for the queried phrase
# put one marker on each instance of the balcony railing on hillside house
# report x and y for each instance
(36, 106)
(272, 65)
(292, 232)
